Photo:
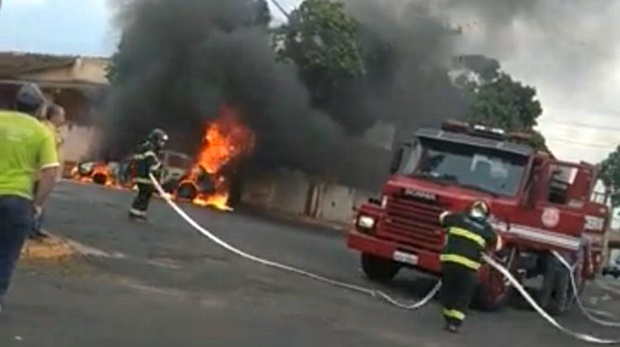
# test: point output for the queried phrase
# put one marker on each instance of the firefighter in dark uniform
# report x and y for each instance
(145, 162)
(468, 235)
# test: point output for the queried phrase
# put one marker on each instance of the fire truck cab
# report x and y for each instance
(539, 204)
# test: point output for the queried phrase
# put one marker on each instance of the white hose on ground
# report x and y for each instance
(373, 292)
(583, 309)
(353, 287)
(545, 315)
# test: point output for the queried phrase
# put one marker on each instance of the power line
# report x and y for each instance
(593, 145)
(584, 125)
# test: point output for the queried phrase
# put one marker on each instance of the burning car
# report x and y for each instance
(95, 172)
(201, 180)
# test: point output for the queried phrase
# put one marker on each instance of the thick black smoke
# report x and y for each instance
(180, 60)
(408, 51)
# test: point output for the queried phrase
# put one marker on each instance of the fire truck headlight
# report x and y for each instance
(365, 222)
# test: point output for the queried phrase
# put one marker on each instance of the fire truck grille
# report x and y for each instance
(413, 222)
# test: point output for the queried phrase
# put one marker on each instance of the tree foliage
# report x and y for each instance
(487, 69)
(505, 103)
(320, 38)
(610, 175)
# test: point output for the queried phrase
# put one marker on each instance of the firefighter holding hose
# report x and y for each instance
(468, 235)
(146, 162)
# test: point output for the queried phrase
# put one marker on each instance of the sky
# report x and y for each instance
(84, 27)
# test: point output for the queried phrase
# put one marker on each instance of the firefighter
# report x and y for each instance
(468, 235)
(146, 162)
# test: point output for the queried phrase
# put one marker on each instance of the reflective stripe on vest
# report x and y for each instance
(454, 314)
(468, 235)
(155, 167)
(461, 260)
(143, 180)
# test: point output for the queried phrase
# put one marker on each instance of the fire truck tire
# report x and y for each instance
(379, 269)
(562, 296)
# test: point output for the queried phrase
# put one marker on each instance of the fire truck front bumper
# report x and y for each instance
(421, 260)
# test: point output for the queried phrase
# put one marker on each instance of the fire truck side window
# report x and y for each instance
(561, 186)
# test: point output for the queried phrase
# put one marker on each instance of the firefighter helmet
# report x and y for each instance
(158, 137)
(479, 209)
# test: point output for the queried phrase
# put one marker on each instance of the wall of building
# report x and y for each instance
(283, 191)
(336, 203)
(77, 142)
(297, 194)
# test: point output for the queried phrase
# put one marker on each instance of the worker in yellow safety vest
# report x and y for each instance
(468, 235)
(27, 150)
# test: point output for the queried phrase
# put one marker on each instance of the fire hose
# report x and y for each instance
(575, 290)
(376, 293)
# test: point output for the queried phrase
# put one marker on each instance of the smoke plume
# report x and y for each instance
(184, 59)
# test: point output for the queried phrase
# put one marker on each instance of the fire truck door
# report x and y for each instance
(562, 191)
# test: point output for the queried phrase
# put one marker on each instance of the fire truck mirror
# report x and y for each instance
(397, 160)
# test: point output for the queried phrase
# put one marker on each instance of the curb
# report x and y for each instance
(52, 247)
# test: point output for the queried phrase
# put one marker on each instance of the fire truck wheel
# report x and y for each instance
(562, 296)
(379, 269)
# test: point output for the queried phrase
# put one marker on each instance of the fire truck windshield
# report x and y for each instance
(492, 171)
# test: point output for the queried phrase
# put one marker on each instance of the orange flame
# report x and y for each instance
(225, 139)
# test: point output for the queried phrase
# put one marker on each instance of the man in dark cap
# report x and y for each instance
(27, 148)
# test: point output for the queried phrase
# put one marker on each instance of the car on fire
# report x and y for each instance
(539, 205)
(176, 165)
(180, 177)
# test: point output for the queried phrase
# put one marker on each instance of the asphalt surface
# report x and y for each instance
(162, 283)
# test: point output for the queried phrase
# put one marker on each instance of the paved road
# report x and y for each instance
(164, 284)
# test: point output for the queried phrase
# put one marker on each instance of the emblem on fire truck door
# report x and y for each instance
(550, 217)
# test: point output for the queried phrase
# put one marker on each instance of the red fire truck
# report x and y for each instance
(539, 204)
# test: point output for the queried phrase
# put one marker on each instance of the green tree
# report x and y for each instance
(488, 69)
(320, 38)
(508, 104)
(610, 175)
